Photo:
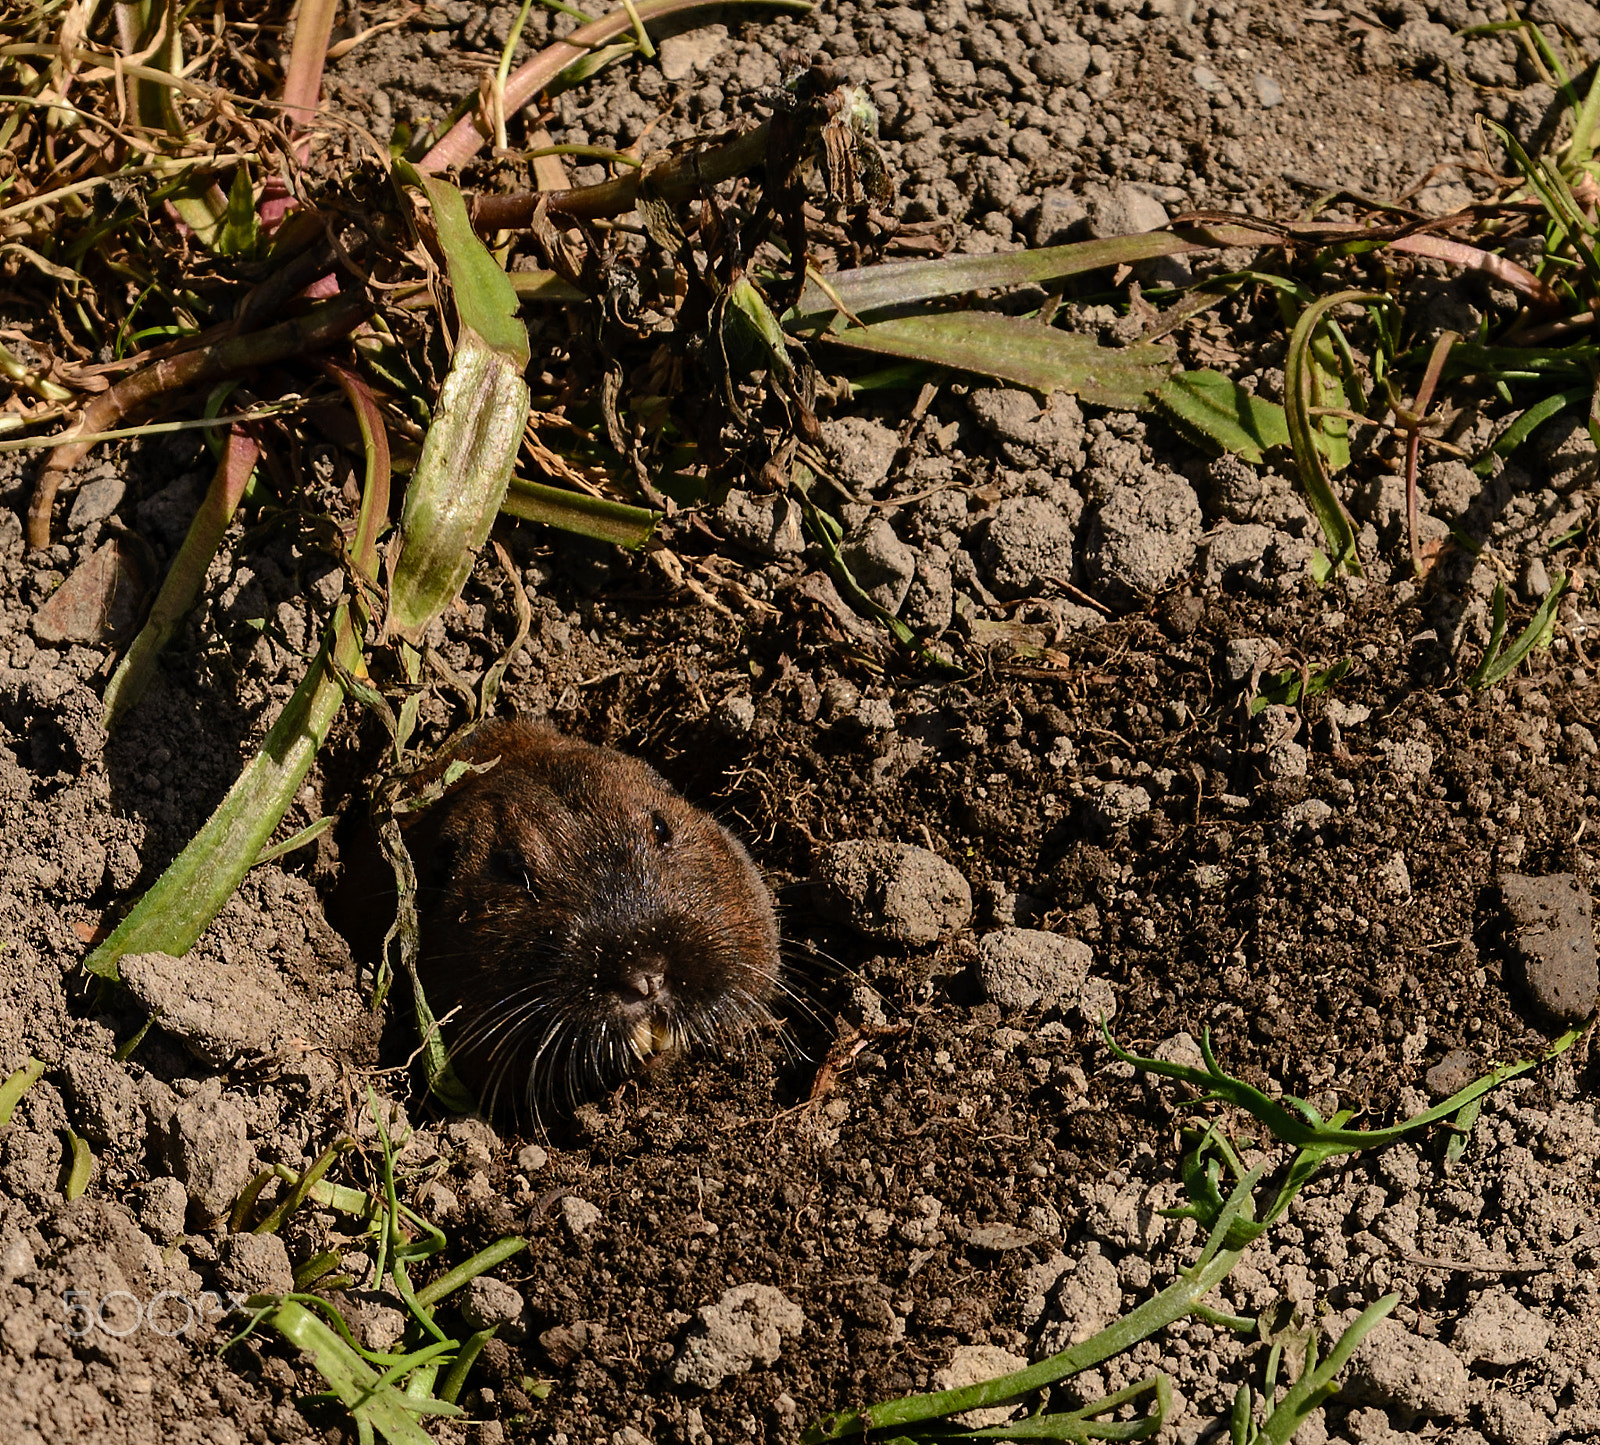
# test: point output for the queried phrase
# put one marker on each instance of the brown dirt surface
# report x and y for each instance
(934, 1150)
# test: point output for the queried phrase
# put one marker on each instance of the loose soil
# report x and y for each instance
(931, 1152)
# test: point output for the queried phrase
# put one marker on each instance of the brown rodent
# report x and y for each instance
(581, 919)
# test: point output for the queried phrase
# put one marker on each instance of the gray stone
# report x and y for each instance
(972, 1365)
(208, 1150)
(1026, 546)
(891, 890)
(1552, 940)
(745, 1328)
(1117, 804)
(159, 1207)
(96, 501)
(255, 1264)
(860, 449)
(1286, 760)
(578, 1215)
(1268, 91)
(1065, 63)
(881, 563)
(1393, 878)
(1500, 1331)
(1407, 755)
(1088, 1297)
(1235, 553)
(1411, 1376)
(930, 600)
(1452, 1073)
(1143, 536)
(682, 55)
(105, 1100)
(1126, 211)
(1030, 433)
(769, 526)
(220, 1013)
(1060, 211)
(492, 1304)
(1022, 968)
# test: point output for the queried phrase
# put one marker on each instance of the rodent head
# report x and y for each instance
(583, 920)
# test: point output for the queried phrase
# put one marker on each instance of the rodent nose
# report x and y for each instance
(647, 982)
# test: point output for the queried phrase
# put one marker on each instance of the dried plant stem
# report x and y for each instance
(319, 327)
(675, 180)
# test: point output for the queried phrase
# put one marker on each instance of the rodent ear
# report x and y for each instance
(442, 860)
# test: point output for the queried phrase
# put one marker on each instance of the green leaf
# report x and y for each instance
(16, 1085)
(1224, 413)
(240, 233)
(460, 480)
(80, 1166)
(1333, 432)
(900, 283)
(1284, 688)
(1028, 353)
(577, 512)
(1497, 665)
(485, 299)
(1529, 422)
(1304, 387)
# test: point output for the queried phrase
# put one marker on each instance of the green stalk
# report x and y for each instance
(179, 905)
(375, 1403)
(1172, 1304)
(184, 577)
(1300, 378)
(577, 512)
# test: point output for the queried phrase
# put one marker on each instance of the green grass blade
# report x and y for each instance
(901, 283)
(577, 512)
(1314, 1386)
(179, 905)
(1291, 1129)
(1223, 413)
(1497, 666)
(1173, 1303)
(16, 1085)
(480, 1263)
(1529, 422)
(1301, 392)
(1027, 353)
(362, 1390)
(80, 1165)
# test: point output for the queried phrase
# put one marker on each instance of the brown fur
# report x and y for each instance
(580, 917)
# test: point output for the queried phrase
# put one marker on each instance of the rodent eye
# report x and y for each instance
(660, 829)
